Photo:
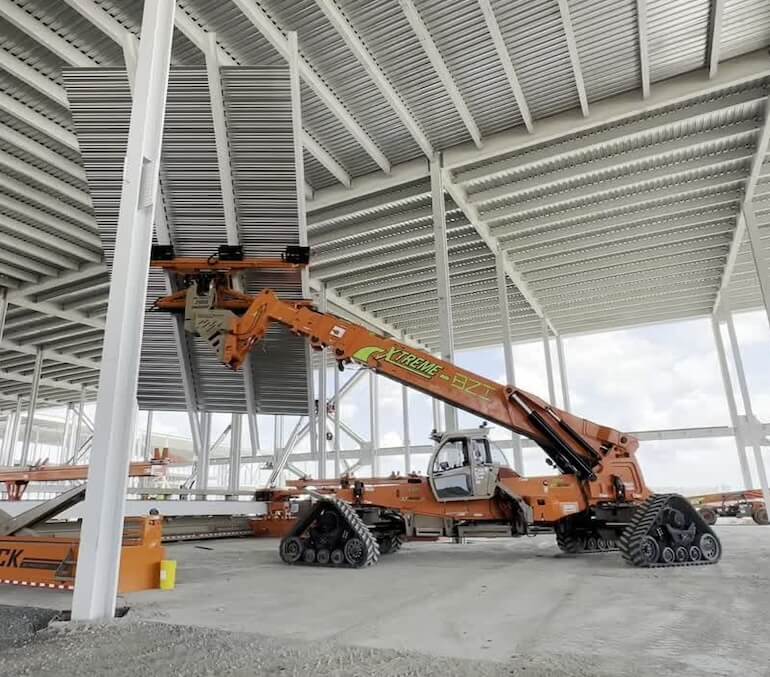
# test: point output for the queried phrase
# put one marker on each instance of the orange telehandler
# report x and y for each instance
(598, 502)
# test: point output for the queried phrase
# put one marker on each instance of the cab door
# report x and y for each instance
(451, 474)
(484, 470)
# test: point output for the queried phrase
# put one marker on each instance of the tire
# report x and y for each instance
(291, 549)
(323, 556)
(709, 515)
(337, 557)
(568, 542)
(760, 515)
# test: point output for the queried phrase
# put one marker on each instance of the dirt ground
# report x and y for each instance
(504, 607)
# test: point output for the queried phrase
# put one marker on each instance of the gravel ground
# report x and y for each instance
(18, 624)
(126, 648)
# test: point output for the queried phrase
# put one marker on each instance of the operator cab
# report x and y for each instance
(465, 465)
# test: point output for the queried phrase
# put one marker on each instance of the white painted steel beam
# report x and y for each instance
(715, 36)
(352, 40)
(732, 406)
(37, 121)
(759, 255)
(505, 59)
(565, 400)
(549, 364)
(644, 47)
(444, 291)
(757, 162)
(437, 61)
(574, 57)
(510, 372)
(743, 388)
(374, 421)
(275, 36)
(41, 152)
(234, 473)
(98, 560)
(31, 407)
(32, 77)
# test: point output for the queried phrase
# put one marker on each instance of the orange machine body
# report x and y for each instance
(50, 562)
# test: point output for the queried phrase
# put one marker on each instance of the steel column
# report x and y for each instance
(147, 447)
(3, 309)
(731, 403)
(446, 326)
(548, 364)
(743, 387)
(299, 169)
(563, 373)
(374, 421)
(99, 556)
(406, 433)
(322, 396)
(510, 372)
(34, 389)
(14, 434)
(337, 442)
(234, 481)
(761, 262)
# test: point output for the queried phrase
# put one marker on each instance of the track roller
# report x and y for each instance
(330, 535)
(666, 531)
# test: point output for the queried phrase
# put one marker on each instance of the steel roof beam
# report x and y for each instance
(33, 78)
(41, 152)
(601, 162)
(65, 280)
(47, 382)
(628, 246)
(32, 173)
(505, 59)
(651, 196)
(621, 109)
(43, 35)
(574, 57)
(37, 121)
(49, 354)
(81, 219)
(352, 40)
(275, 36)
(336, 270)
(437, 61)
(644, 50)
(18, 298)
(646, 179)
(757, 163)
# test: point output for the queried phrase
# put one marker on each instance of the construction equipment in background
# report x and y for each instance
(598, 502)
(748, 503)
(35, 559)
(17, 479)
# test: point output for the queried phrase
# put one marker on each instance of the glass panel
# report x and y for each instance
(451, 455)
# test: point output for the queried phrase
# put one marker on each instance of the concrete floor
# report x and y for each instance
(514, 602)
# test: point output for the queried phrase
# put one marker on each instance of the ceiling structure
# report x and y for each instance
(608, 147)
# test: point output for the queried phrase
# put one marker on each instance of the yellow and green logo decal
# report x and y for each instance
(412, 363)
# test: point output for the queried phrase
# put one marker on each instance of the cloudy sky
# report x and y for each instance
(648, 378)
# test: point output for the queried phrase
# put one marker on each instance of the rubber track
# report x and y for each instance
(642, 520)
(572, 545)
(359, 529)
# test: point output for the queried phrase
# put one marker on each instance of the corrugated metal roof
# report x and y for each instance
(623, 217)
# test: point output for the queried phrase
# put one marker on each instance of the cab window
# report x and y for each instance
(452, 454)
(479, 452)
(498, 456)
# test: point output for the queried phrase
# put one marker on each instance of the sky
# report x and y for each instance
(652, 377)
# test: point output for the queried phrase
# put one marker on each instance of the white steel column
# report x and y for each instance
(510, 372)
(563, 373)
(548, 364)
(743, 387)
(3, 309)
(337, 441)
(69, 426)
(374, 422)
(322, 396)
(731, 403)
(147, 450)
(79, 426)
(14, 434)
(35, 388)
(234, 481)
(299, 169)
(405, 421)
(446, 325)
(101, 536)
(761, 262)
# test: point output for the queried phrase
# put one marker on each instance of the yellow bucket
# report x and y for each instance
(167, 574)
